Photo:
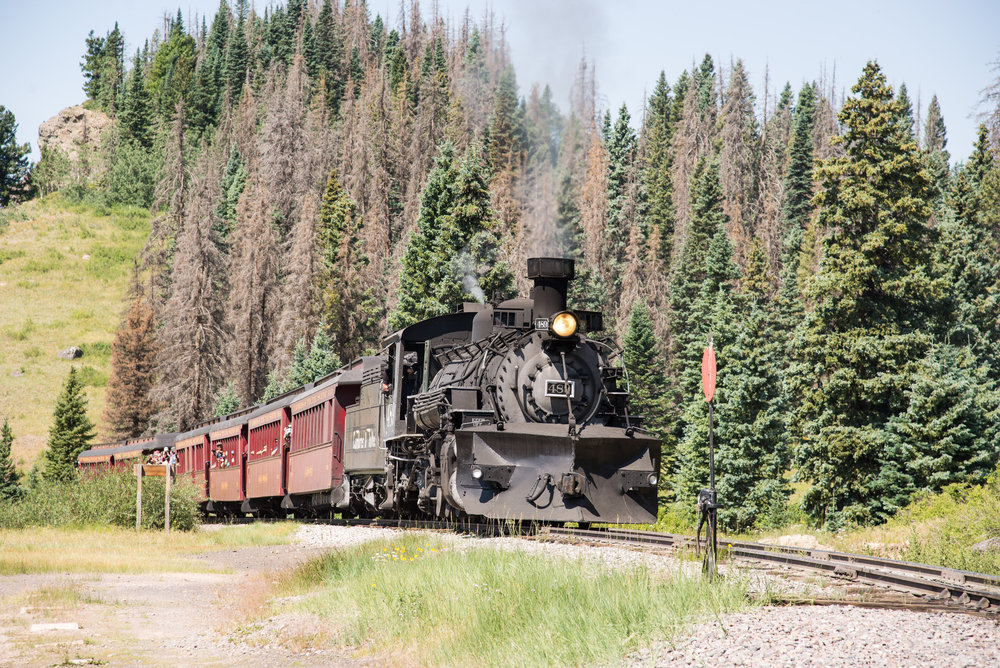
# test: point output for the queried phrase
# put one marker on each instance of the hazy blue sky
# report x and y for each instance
(934, 46)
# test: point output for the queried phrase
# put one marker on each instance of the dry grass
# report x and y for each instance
(124, 551)
(52, 298)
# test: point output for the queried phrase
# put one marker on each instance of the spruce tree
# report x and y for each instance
(236, 59)
(687, 278)
(70, 433)
(647, 382)
(341, 255)
(234, 180)
(135, 117)
(645, 364)
(13, 159)
(506, 131)
(92, 65)
(129, 408)
(947, 432)
(966, 258)
(935, 143)
(753, 452)
(309, 363)
(470, 242)
(713, 313)
(421, 264)
(10, 479)
(622, 145)
(656, 170)
(796, 205)
(172, 70)
(874, 302)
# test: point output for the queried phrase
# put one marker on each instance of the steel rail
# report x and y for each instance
(933, 582)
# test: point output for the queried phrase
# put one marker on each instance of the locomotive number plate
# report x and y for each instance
(565, 389)
(542, 324)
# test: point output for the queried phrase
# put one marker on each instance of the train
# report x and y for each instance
(512, 410)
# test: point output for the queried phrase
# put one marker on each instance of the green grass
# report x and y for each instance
(117, 550)
(53, 298)
(415, 601)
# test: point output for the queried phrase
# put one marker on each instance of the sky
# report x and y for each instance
(935, 47)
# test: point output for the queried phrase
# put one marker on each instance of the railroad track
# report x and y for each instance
(937, 586)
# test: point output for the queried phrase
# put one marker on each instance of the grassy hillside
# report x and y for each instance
(64, 270)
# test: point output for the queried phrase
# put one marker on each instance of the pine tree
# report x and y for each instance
(966, 258)
(874, 302)
(470, 241)
(234, 180)
(129, 409)
(10, 479)
(70, 433)
(92, 66)
(13, 159)
(227, 401)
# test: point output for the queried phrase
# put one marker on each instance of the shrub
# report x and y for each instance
(101, 499)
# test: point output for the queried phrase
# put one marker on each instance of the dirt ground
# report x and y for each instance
(167, 619)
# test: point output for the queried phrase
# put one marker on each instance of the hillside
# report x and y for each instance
(64, 270)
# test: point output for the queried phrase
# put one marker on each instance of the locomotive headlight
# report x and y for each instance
(652, 479)
(564, 324)
(477, 472)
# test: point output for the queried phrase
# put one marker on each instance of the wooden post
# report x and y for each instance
(166, 503)
(138, 496)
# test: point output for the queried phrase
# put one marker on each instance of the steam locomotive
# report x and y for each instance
(502, 411)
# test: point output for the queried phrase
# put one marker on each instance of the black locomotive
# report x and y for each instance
(506, 411)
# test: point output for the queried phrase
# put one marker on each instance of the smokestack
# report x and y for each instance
(551, 276)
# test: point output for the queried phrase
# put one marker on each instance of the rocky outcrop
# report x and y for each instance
(76, 130)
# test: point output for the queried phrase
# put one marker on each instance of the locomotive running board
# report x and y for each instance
(538, 472)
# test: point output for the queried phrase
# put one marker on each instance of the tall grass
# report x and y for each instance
(103, 499)
(414, 601)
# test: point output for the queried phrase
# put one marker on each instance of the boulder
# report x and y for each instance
(70, 353)
(988, 545)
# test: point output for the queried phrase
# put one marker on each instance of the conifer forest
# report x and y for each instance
(319, 178)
